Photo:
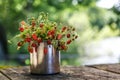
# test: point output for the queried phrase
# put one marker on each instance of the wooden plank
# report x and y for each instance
(67, 73)
(2, 77)
(93, 74)
(114, 68)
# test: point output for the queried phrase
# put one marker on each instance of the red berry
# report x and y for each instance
(20, 44)
(45, 50)
(33, 24)
(21, 29)
(39, 40)
(49, 33)
(63, 47)
(49, 42)
(30, 49)
(36, 48)
(68, 41)
(59, 36)
(34, 36)
(52, 32)
(34, 45)
(63, 29)
(68, 35)
(27, 39)
(41, 25)
(53, 36)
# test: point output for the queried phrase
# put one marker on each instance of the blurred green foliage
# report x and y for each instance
(92, 22)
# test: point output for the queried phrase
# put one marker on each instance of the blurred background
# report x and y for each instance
(96, 21)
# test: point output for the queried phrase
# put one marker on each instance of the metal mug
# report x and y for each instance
(42, 63)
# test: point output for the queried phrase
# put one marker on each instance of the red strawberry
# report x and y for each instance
(34, 36)
(68, 35)
(49, 42)
(41, 25)
(21, 29)
(59, 36)
(45, 50)
(68, 41)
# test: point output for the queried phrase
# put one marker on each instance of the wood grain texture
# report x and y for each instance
(96, 72)
(114, 68)
(3, 77)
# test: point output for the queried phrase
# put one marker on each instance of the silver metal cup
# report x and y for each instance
(42, 63)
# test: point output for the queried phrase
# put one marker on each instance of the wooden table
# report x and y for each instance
(94, 72)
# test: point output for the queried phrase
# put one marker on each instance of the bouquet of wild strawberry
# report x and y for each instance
(36, 30)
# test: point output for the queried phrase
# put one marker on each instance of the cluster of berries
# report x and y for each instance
(37, 30)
